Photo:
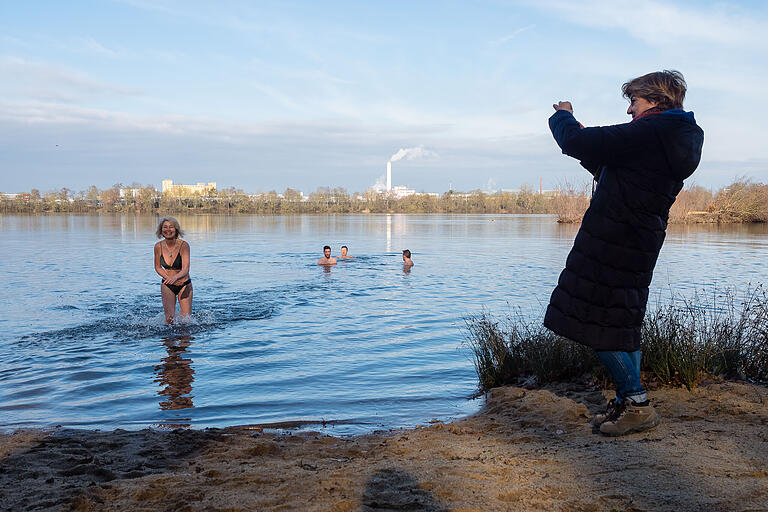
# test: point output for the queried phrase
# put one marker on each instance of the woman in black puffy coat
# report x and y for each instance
(639, 167)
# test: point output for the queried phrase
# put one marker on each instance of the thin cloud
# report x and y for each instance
(94, 46)
(154, 5)
(30, 76)
(247, 155)
(100, 119)
(280, 97)
(507, 38)
(16, 41)
(665, 23)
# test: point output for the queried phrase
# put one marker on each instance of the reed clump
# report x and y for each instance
(571, 202)
(692, 205)
(741, 201)
(683, 340)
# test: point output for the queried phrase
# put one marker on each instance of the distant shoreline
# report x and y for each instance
(708, 218)
(738, 203)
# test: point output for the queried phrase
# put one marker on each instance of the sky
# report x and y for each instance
(267, 95)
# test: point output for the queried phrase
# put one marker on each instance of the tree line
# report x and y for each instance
(291, 201)
(741, 201)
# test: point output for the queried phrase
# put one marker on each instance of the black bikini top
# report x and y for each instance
(176, 263)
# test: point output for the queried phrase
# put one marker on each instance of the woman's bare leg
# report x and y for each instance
(185, 300)
(169, 303)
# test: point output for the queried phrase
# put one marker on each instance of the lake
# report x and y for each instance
(275, 338)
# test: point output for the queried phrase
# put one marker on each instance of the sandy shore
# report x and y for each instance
(526, 450)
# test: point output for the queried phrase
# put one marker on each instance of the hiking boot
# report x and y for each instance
(610, 412)
(631, 417)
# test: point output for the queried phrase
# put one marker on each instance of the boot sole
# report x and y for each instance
(639, 428)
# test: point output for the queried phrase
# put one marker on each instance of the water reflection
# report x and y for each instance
(399, 225)
(175, 376)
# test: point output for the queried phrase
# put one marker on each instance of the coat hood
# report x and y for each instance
(681, 138)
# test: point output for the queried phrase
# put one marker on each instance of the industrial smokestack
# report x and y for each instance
(389, 176)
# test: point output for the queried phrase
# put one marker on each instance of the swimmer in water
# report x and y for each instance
(407, 262)
(176, 282)
(344, 253)
(327, 259)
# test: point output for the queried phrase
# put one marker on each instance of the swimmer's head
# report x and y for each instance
(406, 254)
(344, 250)
(327, 251)
(169, 227)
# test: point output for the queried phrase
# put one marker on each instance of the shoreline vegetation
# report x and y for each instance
(743, 201)
(721, 335)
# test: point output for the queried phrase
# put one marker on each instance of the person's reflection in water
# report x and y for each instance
(175, 375)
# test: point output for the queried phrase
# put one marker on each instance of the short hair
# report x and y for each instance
(172, 220)
(665, 88)
(345, 247)
(406, 253)
(327, 247)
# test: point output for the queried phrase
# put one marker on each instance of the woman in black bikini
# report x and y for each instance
(176, 281)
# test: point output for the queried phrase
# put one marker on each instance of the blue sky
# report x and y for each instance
(269, 95)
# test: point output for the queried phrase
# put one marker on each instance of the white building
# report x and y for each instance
(188, 190)
(125, 193)
(399, 191)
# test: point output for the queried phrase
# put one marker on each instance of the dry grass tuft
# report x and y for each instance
(571, 202)
(682, 341)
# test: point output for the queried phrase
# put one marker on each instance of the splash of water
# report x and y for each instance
(141, 319)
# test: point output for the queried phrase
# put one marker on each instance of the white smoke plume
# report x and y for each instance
(413, 154)
(380, 185)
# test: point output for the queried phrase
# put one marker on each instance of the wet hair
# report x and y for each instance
(345, 247)
(406, 253)
(327, 247)
(172, 220)
(665, 88)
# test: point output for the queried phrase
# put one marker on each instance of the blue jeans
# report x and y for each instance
(624, 367)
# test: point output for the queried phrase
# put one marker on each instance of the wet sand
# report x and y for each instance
(526, 450)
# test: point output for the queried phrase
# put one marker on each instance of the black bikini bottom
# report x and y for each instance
(176, 288)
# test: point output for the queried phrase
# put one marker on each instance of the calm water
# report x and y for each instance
(275, 338)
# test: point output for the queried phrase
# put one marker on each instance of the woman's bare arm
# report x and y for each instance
(160, 270)
(184, 272)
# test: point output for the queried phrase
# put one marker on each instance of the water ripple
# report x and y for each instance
(274, 339)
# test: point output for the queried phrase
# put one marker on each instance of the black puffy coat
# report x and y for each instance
(601, 295)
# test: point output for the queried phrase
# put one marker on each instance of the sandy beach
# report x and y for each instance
(525, 450)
